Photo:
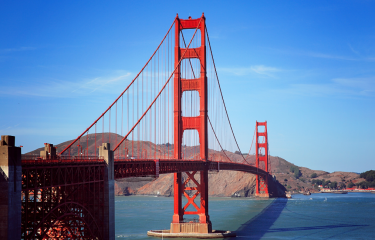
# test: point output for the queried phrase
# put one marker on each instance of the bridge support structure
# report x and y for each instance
(198, 123)
(109, 190)
(10, 188)
(261, 160)
(67, 197)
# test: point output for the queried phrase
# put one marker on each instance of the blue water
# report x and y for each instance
(318, 216)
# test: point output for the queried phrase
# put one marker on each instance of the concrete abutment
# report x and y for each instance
(10, 189)
(109, 190)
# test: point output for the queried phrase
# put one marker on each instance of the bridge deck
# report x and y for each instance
(144, 167)
(147, 167)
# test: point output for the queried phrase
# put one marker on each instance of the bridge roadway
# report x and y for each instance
(124, 168)
(146, 167)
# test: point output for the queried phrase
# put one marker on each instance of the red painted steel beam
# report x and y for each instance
(147, 167)
(143, 167)
(46, 183)
(55, 192)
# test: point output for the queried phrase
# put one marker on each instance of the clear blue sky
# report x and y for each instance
(307, 67)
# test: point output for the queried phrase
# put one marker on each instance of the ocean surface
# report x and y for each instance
(318, 216)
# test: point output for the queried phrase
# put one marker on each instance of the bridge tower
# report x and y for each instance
(198, 123)
(261, 155)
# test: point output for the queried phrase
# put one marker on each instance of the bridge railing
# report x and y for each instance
(153, 167)
(35, 159)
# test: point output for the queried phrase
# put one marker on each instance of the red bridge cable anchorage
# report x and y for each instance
(217, 78)
(218, 139)
(121, 93)
(161, 90)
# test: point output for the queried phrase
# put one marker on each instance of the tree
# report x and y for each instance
(314, 175)
(237, 152)
(362, 185)
(369, 176)
(293, 168)
(332, 185)
(317, 181)
(350, 185)
(326, 183)
(296, 171)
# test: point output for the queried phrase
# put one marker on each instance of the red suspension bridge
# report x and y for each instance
(171, 118)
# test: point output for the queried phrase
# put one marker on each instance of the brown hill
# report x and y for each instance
(281, 169)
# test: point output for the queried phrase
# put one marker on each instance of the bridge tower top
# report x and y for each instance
(261, 145)
(199, 84)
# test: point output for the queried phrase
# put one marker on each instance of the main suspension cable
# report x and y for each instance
(159, 91)
(217, 78)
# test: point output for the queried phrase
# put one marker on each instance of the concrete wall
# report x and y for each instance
(49, 151)
(10, 189)
(109, 190)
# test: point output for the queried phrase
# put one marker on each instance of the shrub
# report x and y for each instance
(350, 185)
(296, 171)
(326, 183)
(363, 185)
(314, 175)
(369, 175)
(332, 185)
(293, 168)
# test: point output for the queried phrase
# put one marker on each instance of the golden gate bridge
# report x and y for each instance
(171, 118)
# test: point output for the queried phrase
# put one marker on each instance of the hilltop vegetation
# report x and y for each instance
(295, 170)
(326, 184)
(369, 182)
(296, 178)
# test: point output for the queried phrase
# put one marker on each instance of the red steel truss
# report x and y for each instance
(143, 167)
(262, 157)
(63, 198)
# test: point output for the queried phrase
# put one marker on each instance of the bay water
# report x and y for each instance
(318, 216)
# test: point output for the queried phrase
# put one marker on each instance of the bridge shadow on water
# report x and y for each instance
(261, 224)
